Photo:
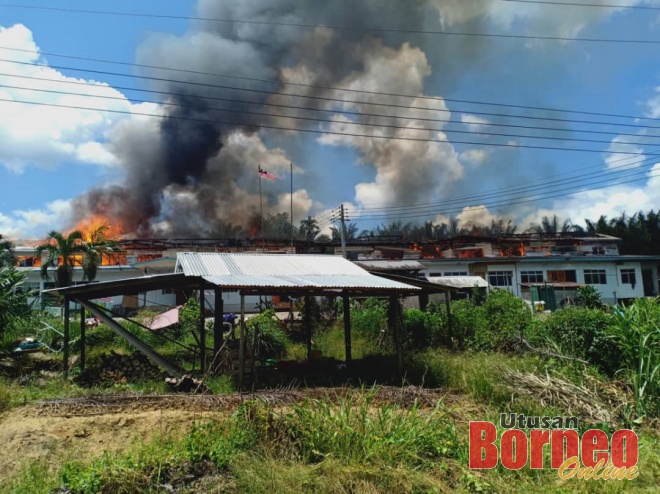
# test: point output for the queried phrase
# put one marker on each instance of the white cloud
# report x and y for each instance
(618, 157)
(474, 156)
(43, 134)
(474, 122)
(610, 201)
(36, 223)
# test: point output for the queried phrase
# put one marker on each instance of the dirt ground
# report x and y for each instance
(89, 426)
(27, 434)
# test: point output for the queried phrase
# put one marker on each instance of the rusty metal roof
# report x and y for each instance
(254, 271)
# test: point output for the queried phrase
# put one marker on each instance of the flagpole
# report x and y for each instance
(291, 217)
(261, 209)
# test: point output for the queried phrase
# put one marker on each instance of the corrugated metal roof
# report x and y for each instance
(235, 271)
(459, 281)
(389, 265)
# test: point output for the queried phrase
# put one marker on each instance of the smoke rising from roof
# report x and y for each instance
(194, 171)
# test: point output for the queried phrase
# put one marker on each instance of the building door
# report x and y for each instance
(647, 280)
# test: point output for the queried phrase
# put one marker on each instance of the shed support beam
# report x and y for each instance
(394, 322)
(308, 327)
(217, 324)
(450, 327)
(423, 301)
(347, 327)
(138, 344)
(65, 348)
(241, 348)
(82, 338)
(202, 332)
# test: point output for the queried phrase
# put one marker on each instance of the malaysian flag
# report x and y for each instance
(268, 175)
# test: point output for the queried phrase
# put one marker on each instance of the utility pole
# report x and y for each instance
(343, 231)
(291, 218)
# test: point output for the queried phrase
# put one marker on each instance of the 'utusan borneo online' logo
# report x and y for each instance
(592, 456)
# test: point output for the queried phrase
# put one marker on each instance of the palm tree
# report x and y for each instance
(309, 228)
(351, 232)
(61, 255)
(13, 298)
(6, 253)
(552, 227)
(97, 244)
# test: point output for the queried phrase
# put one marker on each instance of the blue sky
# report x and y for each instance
(49, 155)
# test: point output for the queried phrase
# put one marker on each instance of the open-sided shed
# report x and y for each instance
(249, 274)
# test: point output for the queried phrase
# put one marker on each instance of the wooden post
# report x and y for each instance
(65, 347)
(202, 332)
(308, 328)
(448, 305)
(423, 300)
(347, 327)
(82, 338)
(217, 324)
(394, 322)
(241, 348)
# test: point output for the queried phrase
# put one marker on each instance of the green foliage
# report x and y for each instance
(589, 297)
(636, 333)
(189, 316)
(421, 329)
(60, 252)
(13, 299)
(271, 340)
(498, 324)
(358, 432)
(508, 319)
(369, 319)
(582, 333)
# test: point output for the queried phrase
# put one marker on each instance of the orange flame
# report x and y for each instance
(88, 225)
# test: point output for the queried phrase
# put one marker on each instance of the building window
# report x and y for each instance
(500, 278)
(435, 274)
(628, 276)
(562, 276)
(456, 273)
(531, 276)
(595, 277)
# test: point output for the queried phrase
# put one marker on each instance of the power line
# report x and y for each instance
(337, 111)
(311, 119)
(317, 131)
(504, 192)
(576, 4)
(332, 88)
(492, 205)
(320, 98)
(334, 27)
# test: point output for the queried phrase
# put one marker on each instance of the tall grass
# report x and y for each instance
(636, 331)
(355, 431)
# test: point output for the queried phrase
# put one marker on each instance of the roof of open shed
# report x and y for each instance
(283, 272)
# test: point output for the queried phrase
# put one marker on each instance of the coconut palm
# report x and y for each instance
(97, 244)
(6, 253)
(309, 228)
(61, 252)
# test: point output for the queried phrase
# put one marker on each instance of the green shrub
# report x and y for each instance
(582, 333)
(271, 340)
(465, 318)
(370, 318)
(421, 329)
(507, 320)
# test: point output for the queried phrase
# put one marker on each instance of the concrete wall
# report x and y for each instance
(613, 285)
